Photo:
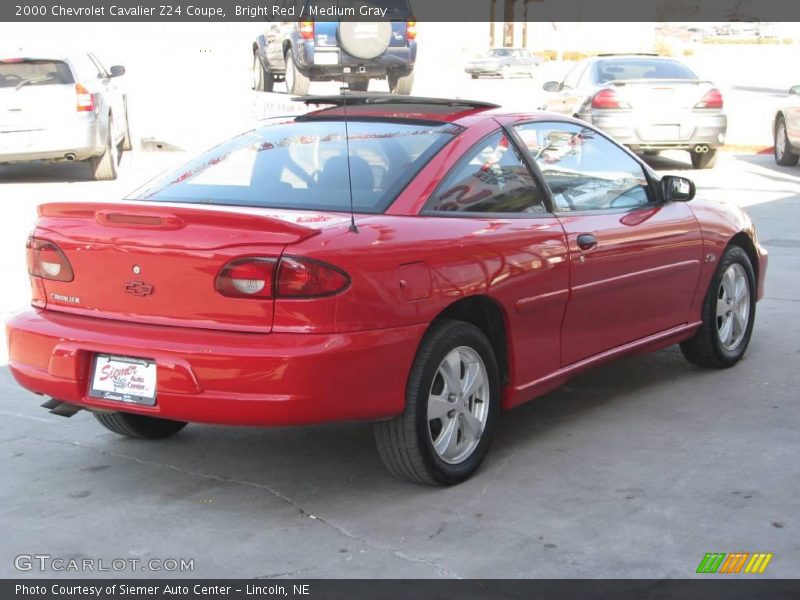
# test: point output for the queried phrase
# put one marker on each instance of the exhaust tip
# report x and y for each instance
(69, 157)
(62, 409)
(701, 149)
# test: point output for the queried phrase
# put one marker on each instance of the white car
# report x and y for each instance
(786, 130)
(62, 107)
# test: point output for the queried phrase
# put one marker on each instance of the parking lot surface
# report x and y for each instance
(635, 469)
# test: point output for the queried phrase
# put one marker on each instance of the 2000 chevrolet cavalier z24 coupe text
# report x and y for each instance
(490, 256)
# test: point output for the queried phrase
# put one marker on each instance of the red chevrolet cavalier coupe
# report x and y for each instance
(422, 264)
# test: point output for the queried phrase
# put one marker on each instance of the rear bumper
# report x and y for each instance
(694, 129)
(327, 63)
(81, 140)
(221, 377)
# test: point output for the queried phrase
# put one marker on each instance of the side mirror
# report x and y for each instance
(677, 189)
(117, 71)
(551, 86)
(795, 90)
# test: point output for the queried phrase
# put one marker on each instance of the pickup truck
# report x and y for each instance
(353, 52)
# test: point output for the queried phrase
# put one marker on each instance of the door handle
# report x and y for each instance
(586, 241)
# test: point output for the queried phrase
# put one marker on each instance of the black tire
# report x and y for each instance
(104, 167)
(474, 76)
(138, 426)
(704, 160)
(362, 85)
(405, 443)
(127, 141)
(263, 80)
(705, 349)
(786, 157)
(401, 84)
(297, 84)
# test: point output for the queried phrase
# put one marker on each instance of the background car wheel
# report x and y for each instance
(401, 84)
(139, 426)
(297, 84)
(263, 81)
(728, 314)
(704, 160)
(104, 167)
(474, 76)
(359, 86)
(452, 403)
(783, 149)
(127, 140)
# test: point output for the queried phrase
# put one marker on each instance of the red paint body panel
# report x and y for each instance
(348, 356)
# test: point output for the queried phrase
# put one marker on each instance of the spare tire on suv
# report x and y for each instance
(365, 40)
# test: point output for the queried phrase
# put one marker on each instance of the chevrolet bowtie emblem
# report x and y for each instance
(138, 288)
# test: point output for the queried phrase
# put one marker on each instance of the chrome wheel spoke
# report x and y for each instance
(473, 379)
(446, 442)
(472, 425)
(439, 406)
(451, 371)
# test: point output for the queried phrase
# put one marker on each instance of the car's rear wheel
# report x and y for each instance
(138, 426)
(401, 84)
(362, 85)
(452, 403)
(704, 160)
(297, 84)
(104, 167)
(783, 148)
(127, 140)
(263, 81)
(474, 76)
(728, 314)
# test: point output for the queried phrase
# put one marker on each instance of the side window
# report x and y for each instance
(84, 68)
(583, 169)
(572, 78)
(491, 178)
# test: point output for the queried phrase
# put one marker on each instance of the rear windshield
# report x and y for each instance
(303, 165)
(641, 68)
(19, 73)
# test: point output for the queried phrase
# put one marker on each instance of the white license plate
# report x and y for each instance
(124, 379)
(326, 58)
(663, 132)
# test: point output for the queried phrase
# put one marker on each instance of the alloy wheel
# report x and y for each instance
(733, 307)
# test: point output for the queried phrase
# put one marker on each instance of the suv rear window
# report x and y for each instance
(18, 73)
(303, 165)
(642, 68)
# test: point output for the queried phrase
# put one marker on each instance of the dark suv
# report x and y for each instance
(304, 51)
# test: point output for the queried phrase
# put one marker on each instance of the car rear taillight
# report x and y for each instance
(46, 260)
(307, 30)
(411, 30)
(304, 278)
(289, 277)
(85, 99)
(711, 99)
(608, 99)
(247, 278)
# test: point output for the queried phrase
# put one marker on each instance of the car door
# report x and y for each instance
(112, 90)
(634, 260)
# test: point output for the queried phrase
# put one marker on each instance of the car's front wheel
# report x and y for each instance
(452, 403)
(783, 149)
(138, 426)
(728, 314)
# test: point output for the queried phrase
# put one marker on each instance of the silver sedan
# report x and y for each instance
(647, 102)
(786, 130)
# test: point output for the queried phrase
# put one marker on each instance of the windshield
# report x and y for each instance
(302, 164)
(19, 73)
(499, 53)
(642, 68)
